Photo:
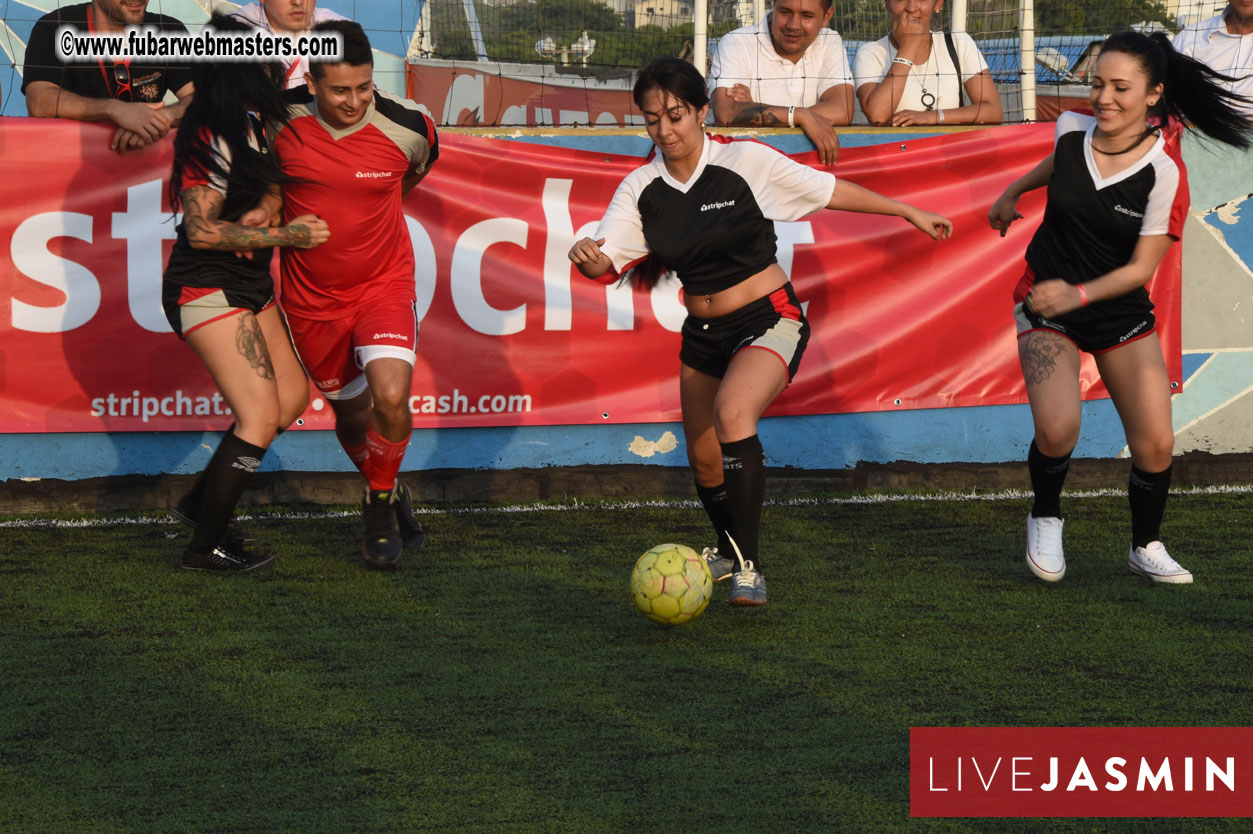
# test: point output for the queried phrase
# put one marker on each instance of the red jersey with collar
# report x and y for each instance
(352, 179)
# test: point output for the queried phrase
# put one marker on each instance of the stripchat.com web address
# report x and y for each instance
(208, 45)
(180, 404)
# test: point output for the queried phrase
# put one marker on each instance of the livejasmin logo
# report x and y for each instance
(1022, 773)
(1080, 771)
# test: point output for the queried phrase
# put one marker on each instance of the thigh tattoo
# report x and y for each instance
(251, 343)
(1039, 356)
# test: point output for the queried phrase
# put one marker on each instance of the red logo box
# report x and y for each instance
(1081, 771)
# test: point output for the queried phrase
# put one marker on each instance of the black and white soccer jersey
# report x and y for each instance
(1092, 224)
(716, 229)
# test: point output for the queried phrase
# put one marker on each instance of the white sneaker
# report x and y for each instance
(1044, 548)
(1154, 562)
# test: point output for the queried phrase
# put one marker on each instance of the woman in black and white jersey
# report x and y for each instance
(217, 290)
(1116, 202)
(704, 208)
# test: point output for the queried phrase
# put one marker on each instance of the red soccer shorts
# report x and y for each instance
(336, 351)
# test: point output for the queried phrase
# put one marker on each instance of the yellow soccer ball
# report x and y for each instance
(671, 584)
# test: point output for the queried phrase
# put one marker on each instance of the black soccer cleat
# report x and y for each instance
(411, 532)
(225, 559)
(382, 536)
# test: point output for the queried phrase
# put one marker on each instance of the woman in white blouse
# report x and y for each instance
(910, 77)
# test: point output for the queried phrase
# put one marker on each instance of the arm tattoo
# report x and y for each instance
(1039, 357)
(251, 344)
(758, 115)
(297, 235)
(202, 207)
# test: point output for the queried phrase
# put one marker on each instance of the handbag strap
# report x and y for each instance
(952, 54)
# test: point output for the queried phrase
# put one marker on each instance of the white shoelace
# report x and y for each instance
(1155, 554)
(1049, 531)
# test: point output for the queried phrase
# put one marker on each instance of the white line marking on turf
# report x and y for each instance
(678, 503)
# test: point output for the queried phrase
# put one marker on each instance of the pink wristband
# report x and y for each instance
(1083, 295)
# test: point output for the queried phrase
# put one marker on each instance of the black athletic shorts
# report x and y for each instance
(1097, 328)
(1093, 336)
(773, 322)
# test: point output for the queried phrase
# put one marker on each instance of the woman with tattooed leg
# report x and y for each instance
(218, 293)
(1116, 201)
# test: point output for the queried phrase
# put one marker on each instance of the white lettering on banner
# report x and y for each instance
(558, 270)
(619, 306)
(29, 250)
(557, 266)
(667, 307)
(467, 276)
(460, 403)
(178, 405)
(790, 235)
(143, 226)
(424, 267)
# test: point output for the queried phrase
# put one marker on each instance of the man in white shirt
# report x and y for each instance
(1225, 43)
(790, 70)
(287, 17)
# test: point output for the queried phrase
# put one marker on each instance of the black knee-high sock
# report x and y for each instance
(224, 480)
(190, 503)
(718, 508)
(744, 468)
(1147, 492)
(1047, 476)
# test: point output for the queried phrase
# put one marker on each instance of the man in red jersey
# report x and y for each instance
(354, 152)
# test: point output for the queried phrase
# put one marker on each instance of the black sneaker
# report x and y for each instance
(382, 536)
(234, 537)
(225, 559)
(411, 532)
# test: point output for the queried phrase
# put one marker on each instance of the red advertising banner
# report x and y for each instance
(1080, 771)
(510, 333)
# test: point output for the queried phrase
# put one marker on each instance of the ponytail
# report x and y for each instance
(1191, 90)
(645, 274)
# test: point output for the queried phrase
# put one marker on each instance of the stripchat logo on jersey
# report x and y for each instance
(1081, 772)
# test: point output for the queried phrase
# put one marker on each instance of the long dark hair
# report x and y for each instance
(223, 92)
(683, 81)
(1191, 90)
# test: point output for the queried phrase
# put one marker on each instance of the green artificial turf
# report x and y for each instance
(501, 680)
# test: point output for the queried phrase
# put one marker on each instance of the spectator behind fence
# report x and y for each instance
(287, 17)
(1225, 43)
(127, 93)
(918, 77)
(789, 70)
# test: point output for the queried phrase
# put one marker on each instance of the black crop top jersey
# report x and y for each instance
(717, 228)
(1092, 224)
(189, 267)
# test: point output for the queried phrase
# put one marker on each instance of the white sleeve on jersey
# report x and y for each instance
(621, 227)
(1161, 199)
(784, 188)
(1070, 121)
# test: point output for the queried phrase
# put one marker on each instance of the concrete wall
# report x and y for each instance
(1214, 413)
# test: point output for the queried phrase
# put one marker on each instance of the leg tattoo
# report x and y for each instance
(1039, 357)
(251, 343)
